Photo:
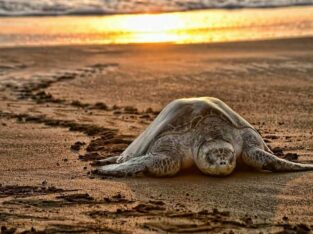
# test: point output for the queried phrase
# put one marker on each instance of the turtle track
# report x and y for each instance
(107, 141)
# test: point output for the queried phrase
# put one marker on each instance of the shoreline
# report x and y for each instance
(270, 41)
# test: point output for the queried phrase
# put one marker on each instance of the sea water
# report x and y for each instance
(91, 7)
(255, 20)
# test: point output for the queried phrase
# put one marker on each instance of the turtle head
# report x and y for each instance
(216, 158)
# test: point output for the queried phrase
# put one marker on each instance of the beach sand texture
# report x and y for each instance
(62, 108)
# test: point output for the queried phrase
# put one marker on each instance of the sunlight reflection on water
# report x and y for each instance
(180, 28)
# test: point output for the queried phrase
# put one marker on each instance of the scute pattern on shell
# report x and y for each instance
(182, 125)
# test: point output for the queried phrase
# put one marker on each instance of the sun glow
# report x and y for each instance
(151, 28)
(146, 28)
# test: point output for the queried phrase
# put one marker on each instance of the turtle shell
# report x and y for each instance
(181, 115)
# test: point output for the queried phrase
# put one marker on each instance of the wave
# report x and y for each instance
(102, 7)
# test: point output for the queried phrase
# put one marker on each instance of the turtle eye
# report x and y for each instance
(210, 159)
(232, 159)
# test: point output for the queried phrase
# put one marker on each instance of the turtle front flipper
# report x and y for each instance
(263, 160)
(106, 161)
(121, 169)
(255, 154)
(152, 164)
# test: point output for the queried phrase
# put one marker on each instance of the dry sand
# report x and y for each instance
(61, 108)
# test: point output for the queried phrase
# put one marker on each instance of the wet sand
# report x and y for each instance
(62, 108)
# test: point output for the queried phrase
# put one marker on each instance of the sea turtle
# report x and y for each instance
(202, 131)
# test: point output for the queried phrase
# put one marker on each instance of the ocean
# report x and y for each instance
(96, 7)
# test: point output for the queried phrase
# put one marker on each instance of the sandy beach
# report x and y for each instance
(64, 107)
